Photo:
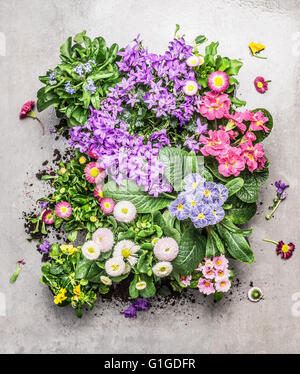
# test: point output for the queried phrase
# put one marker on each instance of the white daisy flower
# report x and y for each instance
(105, 280)
(115, 266)
(162, 269)
(127, 250)
(124, 211)
(104, 238)
(91, 250)
(140, 285)
(166, 249)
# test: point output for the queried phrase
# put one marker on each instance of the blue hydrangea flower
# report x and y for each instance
(179, 208)
(218, 213)
(223, 194)
(192, 182)
(209, 192)
(202, 216)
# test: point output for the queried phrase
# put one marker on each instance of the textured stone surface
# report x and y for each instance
(33, 31)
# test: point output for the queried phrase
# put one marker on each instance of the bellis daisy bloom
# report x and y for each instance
(141, 285)
(255, 294)
(82, 160)
(205, 286)
(124, 211)
(261, 85)
(218, 81)
(63, 209)
(127, 250)
(115, 266)
(91, 250)
(93, 172)
(104, 238)
(195, 61)
(222, 285)
(98, 192)
(220, 262)
(48, 217)
(166, 249)
(27, 111)
(107, 205)
(105, 280)
(162, 269)
(190, 88)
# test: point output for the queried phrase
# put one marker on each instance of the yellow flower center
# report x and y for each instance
(115, 267)
(207, 284)
(49, 216)
(124, 210)
(126, 252)
(91, 250)
(219, 262)
(163, 269)
(100, 240)
(63, 209)
(223, 284)
(221, 273)
(193, 203)
(190, 87)
(207, 193)
(201, 216)
(285, 248)
(259, 85)
(179, 207)
(218, 81)
(167, 249)
(107, 205)
(94, 172)
(195, 184)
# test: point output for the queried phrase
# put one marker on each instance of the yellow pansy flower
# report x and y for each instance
(61, 296)
(256, 48)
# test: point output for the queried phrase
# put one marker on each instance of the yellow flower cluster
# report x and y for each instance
(68, 248)
(61, 296)
(76, 291)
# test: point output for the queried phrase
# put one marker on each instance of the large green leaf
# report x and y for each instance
(252, 181)
(45, 99)
(240, 212)
(191, 251)
(130, 191)
(65, 49)
(173, 160)
(234, 186)
(211, 249)
(237, 245)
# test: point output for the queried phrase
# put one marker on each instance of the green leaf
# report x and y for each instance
(212, 49)
(143, 202)
(133, 292)
(234, 186)
(217, 241)
(79, 37)
(82, 268)
(261, 135)
(240, 212)
(211, 247)
(150, 289)
(72, 237)
(15, 275)
(65, 49)
(237, 102)
(45, 99)
(237, 245)
(252, 182)
(174, 162)
(229, 225)
(234, 68)
(191, 251)
(200, 39)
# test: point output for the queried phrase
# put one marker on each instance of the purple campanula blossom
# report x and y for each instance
(45, 247)
(201, 129)
(44, 204)
(141, 303)
(192, 144)
(129, 312)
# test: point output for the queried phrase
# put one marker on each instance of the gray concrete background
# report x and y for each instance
(34, 30)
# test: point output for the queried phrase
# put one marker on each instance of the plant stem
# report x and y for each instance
(169, 196)
(270, 241)
(42, 126)
(216, 124)
(268, 216)
(264, 58)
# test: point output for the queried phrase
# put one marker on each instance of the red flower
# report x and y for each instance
(27, 111)
(285, 250)
(260, 84)
(26, 108)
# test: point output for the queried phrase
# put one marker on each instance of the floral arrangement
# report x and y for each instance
(166, 167)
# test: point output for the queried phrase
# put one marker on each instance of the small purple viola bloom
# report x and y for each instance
(280, 187)
(130, 312)
(141, 303)
(44, 204)
(45, 247)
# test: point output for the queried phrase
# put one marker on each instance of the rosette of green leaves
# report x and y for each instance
(74, 53)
